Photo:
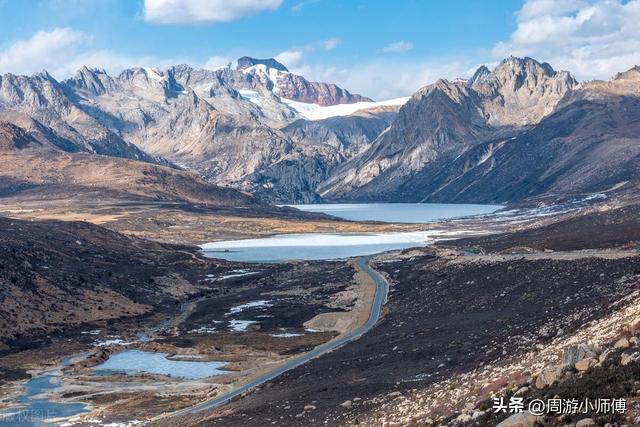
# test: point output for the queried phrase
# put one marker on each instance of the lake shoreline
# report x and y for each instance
(330, 246)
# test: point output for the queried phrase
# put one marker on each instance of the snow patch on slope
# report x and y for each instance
(319, 112)
(272, 73)
(152, 74)
(251, 95)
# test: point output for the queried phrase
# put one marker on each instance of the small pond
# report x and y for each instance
(133, 362)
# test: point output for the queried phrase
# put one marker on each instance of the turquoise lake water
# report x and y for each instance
(136, 361)
(331, 246)
(399, 212)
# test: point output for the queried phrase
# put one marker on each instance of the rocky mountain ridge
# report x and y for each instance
(518, 131)
(223, 124)
(245, 128)
(44, 100)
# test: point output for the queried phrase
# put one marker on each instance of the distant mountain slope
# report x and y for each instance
(347, 134)
(41, 169)
(585, 147)
(261, 129)
(444, 120)
(45, 100)
(222, 124)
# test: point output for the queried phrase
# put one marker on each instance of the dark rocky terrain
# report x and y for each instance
(73, 289)
(57, 275)
(599, 229)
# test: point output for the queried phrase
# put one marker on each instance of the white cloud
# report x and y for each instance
(290, 58)
(44, 50)
(330, 44)
(203, 11)
(216, 62)
(399, 46)
(293, 58)
(113, 62)
(62, 51)
(592, 39)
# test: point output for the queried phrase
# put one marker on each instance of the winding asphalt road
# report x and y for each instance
(379, 298)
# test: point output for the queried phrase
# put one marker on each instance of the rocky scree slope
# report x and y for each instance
(57, 275)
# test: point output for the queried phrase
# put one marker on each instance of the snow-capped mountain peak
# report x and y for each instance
(248, 62)
(280, 81)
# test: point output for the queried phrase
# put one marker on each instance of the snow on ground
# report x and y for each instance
(112, 341)
(251, 95)
(263, 69)
(286, 335)
(319, 112)
(240, 325)
(102, 423)
(152, 74)
(206, 329)
(203, 330)
(252, 304)
(233, 274)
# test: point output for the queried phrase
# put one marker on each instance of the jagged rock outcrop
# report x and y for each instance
(276, 78)
(297, 88)
(520, 91)
(45, 100)
(92, 80)
(247, 62)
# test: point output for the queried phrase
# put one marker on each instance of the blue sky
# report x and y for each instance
(379, 48)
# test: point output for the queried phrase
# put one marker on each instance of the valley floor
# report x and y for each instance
(465, 321)
(475, 319)
(252, 317)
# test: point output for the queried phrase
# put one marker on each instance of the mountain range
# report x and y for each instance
(518, 131)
